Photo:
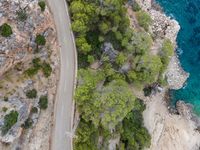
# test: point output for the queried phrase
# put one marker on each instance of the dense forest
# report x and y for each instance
(112, 58)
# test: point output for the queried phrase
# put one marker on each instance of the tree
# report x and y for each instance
(43, 102)
(42, 5)
(5, 30)
(141, 42)
(135, 135)
(87, 136)
(147, 70)
(166, 53)
(91, 59)
(144, 19)
(136, 6)
(104, 27)
(9, 120)
(40, 40)
(31, 93)
(121, 59)
(112, 102)
(79, 26)
(83, 45)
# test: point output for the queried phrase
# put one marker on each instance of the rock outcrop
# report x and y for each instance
(176, 76)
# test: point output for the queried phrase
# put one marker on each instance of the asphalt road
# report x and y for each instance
(63, 113)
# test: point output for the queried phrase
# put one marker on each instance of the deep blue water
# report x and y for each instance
(187, 13)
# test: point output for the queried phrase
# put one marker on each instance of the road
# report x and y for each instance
(63, 112)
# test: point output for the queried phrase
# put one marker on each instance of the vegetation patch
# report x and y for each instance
(105, 101)
(43, 102)
(144, 19)
(31, 93)
(9, 120)
(42, 5)
(40, 40)
(5, 30)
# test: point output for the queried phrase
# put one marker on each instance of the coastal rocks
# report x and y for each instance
(184, 109)
(169, 131)
(176, 76)
(163, 26)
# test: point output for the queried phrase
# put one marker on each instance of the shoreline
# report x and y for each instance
(176, 130)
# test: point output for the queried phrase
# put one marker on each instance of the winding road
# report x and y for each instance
(63, 114)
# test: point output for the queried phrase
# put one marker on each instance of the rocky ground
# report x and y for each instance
(16, 54)
(169, 131)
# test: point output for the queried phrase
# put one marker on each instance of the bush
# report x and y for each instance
(22, 15)
(5, 30)
(34, 110)
(9, 120)
(144, 19)
(46, 68)
(27, 124)
(40, 40)
(134, 135)
(35, 68)
(43, 102)
(42, 5)
(5, 99)
(4, 109)
(31, 93)
(31, 71)
(166, 53)
(36, 63)
(147, 91)
(135, 6)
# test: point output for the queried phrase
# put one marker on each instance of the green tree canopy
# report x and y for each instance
(144, 19)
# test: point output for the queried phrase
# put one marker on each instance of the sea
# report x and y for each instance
(187, 13)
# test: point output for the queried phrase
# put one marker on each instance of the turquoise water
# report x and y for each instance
(187, 13)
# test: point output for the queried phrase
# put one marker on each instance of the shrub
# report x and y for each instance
(27, 124)
(166, 53)
(22, 15)
(42, 5)
(36, 63)
(46, 68)
(147, 91)
(9, 120)
(31, 71)
(144, 19)
(5, 30)
(135, 6)
(134, 134)
(43, 102)
(34, 110)
(31, 93)
(40, 40)
(5, 98)
(4, 109)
